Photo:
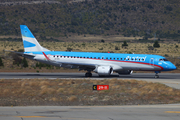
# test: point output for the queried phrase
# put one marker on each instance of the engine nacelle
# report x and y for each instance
(126, 72)
(104, 70)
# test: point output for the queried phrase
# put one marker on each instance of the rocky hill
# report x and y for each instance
(146, 18)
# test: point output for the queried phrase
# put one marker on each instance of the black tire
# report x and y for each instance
(88, 75)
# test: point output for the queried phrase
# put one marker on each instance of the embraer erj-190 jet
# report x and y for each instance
(104, 64)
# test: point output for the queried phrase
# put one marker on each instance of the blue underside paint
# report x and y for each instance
(28, 44)
(26, 32)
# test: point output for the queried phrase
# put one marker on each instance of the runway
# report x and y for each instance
(170, 79)
(82, 75)
(142, 112)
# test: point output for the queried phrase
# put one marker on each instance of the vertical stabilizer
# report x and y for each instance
(29, 41)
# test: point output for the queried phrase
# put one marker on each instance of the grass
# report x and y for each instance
(138, 48)
(79, 92)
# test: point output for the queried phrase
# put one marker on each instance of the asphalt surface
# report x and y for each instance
(144, 112)
(170, 79)
(82, 75)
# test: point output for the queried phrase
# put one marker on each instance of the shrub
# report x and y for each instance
(156, 44)
(124, 44)
(1, 63)
(21, 50)
(25, 63)
(150, 48)
(117, 48)
(102, 41)
(69, 49)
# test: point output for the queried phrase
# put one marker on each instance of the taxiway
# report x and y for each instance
(141, 112)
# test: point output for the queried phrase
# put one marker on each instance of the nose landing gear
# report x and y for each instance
(156, 75)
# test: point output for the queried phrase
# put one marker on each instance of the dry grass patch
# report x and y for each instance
(79, 92)
(60, 90)
(72, 98)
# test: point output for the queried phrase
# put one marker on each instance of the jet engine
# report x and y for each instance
(104, 70)
(126, 72)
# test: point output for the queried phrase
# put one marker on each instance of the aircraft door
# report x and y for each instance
(151, 62)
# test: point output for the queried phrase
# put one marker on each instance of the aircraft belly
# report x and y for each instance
(117, 65)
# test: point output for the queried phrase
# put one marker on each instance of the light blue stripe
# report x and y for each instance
(28, 44)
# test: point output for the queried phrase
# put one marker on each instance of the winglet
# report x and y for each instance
(46, 56)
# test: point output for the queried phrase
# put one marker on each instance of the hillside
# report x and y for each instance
(146, 18)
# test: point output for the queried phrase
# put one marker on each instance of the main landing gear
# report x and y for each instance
(88, 74)
(156, 75)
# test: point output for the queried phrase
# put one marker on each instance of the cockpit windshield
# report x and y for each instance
(164, 59)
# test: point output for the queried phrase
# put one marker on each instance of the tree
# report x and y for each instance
(1, 63)
(156, 44)
(124, 44)
(25, 63)
(102, 41)
(117, 48)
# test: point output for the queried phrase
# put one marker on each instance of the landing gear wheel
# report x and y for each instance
(88, 74)
(156, 76)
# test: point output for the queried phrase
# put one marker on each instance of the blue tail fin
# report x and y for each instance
(29, 41)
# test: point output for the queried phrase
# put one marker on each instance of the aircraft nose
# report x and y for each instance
(172, 67)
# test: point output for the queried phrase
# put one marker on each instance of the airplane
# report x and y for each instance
(104, 64)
